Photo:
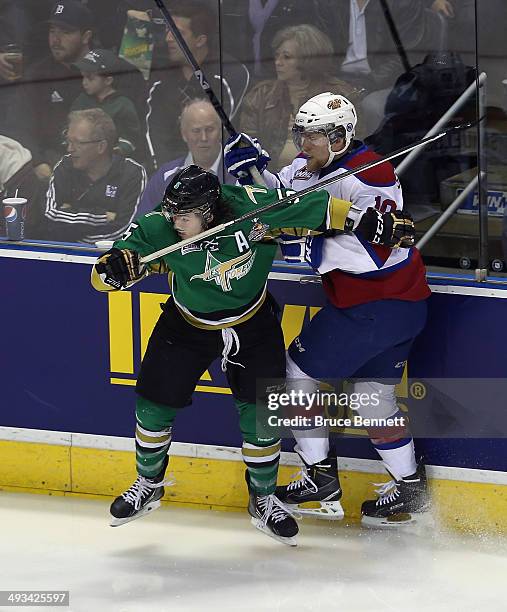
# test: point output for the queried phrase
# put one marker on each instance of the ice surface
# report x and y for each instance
(180, 559)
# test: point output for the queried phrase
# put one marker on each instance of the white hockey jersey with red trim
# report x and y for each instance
(355, 271)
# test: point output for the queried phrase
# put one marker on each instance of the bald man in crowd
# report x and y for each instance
(201, 131)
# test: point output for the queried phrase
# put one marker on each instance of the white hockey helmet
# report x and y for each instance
(329, 114)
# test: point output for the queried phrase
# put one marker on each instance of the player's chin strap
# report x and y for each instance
(334, 154)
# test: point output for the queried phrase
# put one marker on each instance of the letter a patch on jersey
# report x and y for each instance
(241, 241)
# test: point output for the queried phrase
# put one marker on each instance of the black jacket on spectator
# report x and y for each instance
(169, 93)
(76, 207)
(41, 116)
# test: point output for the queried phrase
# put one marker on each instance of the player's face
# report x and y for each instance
(315, 145)
(286, 62)
(188, 225)
(66, 44)
(201, 130)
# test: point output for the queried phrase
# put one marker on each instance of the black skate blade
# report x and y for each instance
(321, 510)
(258, 524)
(394, 521)
(116, 522)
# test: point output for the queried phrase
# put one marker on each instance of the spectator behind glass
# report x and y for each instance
(17, 178)
(176, 84)
(201, 130)
(303, 56)
(18, 20)
(93, 194)
(419, 98)
(51, 86)
(98, 69)
(366, 51)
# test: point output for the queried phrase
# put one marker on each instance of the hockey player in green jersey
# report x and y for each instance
(219, 306)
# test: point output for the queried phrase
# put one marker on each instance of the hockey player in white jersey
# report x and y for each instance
(376, 306)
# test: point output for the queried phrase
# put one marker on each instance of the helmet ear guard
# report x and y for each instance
(335, 133)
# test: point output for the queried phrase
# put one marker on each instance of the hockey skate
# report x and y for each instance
(316, 492)
(271, 517)
(398, 501)
(142, 498)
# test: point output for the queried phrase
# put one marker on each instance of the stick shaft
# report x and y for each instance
(198, 72)
(396, 37)
(203, 81)
(335, 179)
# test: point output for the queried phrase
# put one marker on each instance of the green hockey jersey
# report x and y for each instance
(221, 281)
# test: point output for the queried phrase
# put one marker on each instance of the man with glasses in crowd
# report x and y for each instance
(93, 194)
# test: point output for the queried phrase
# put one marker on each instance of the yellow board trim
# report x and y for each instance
(215, 483)
(34, 465)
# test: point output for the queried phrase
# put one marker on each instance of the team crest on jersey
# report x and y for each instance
(334, 104)
(258, 230)
(223, 272)
(303, 174)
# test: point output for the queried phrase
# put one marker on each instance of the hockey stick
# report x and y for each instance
(396, 37)
(334, 179)
(203, 81)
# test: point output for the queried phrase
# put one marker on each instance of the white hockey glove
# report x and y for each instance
(302, 249)
(242, 153)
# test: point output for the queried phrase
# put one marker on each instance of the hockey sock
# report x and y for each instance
(261, 455)
(312, 444)
(398, 457)
(153, 436)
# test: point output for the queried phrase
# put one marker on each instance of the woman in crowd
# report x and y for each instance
(303, 60)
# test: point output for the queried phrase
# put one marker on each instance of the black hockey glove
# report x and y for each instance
(119, 267)
(393, 229)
